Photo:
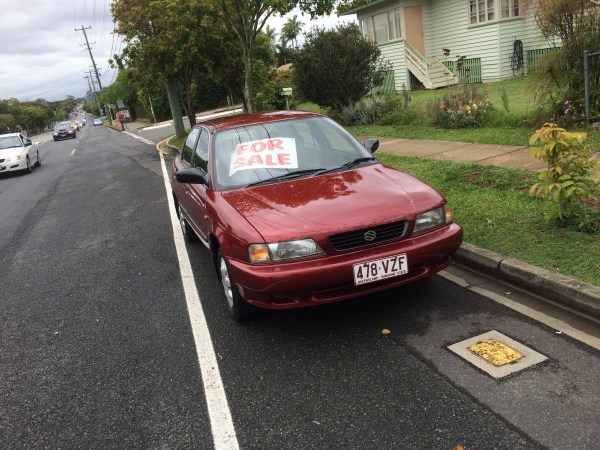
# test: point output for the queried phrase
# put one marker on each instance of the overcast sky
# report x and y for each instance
(42, 56)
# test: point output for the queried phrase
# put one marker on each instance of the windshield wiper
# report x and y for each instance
(287, 176)
(352, 163)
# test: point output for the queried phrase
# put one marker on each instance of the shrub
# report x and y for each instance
(360, 113)
(337, 68)
(463, 108)
(568, 178)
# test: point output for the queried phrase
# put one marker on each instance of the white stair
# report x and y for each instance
(429, 71)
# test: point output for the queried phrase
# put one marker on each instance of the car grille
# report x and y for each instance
(368, 236)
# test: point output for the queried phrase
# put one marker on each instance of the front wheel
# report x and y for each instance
(237, 308)
(188, 233)
(29, 166)
(38, 161)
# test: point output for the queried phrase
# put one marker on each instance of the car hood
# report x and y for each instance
(333, 203)
(5, 152)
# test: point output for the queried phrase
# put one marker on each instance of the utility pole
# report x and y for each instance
(90, 52)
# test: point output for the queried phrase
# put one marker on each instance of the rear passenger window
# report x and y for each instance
(188, 147)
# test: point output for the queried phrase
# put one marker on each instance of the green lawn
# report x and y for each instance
(512, 127)
(492, 205)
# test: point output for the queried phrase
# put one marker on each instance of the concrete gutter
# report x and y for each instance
(566, 291)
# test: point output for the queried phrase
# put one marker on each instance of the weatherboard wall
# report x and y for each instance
(446, 25)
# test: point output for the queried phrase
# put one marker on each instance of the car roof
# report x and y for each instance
(10, 134)
(227, 122)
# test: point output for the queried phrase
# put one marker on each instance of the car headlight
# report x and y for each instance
(13, 158)
(282, 251)
(433, 219)
(54, 134)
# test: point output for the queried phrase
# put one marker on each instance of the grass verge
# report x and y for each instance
(492, 205)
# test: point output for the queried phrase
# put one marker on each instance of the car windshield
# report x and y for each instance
(286, 149)
(9, 142)
(62, 126)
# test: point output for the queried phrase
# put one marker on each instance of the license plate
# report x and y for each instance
(380, 269)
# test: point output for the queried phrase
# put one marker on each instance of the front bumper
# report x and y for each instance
(329, 279)
(63, 136)
(13, 166)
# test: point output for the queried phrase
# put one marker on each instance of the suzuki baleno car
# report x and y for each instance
(296, 212)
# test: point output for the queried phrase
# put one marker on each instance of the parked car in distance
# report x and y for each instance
(97, 121)
(64, 130)
(296, 212)
(17, 152)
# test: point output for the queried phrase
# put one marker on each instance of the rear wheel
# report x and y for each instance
(188, 233)
(237, 308)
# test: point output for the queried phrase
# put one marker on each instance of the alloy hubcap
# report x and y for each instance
(181, 220)
(226, 281)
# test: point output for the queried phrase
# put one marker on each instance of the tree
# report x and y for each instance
(271, 36)
(248, 17)
(336, 68)
(292, 29)
(573, 26)
(170, 42)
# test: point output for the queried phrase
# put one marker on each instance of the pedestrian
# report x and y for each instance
(121, 119)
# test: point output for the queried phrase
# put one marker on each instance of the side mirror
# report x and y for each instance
(191, 175)
(372, 144)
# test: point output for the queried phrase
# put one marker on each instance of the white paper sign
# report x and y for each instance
(272, 153)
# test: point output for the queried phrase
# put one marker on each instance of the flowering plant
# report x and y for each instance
(464, 107)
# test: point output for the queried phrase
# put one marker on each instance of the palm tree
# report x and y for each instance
(282, 48)
(291, 29)
(271, 35)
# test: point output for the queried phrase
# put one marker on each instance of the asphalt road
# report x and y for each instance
(97, 343)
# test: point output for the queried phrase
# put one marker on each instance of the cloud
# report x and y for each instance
(41, 53)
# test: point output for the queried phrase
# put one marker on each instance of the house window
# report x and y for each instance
(509, 8)
(384, 27)
(482, 11)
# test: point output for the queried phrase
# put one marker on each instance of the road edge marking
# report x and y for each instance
(221, 422)
(539, 316)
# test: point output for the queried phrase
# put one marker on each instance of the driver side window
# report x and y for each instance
(188, 147)
(201, 154)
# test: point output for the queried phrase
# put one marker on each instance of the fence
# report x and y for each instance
(535, 57)
(468, 71)
(389, 84)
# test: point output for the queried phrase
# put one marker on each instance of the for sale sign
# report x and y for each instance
(272, 153)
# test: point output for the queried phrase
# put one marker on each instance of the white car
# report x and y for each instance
(17, 152)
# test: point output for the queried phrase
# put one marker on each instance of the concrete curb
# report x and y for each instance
(564, 290)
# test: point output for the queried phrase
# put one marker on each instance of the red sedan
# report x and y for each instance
(296, 212)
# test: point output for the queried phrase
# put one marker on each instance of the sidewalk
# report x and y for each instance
(499, 155)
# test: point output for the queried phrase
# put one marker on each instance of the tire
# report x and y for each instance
(74, 135)
(55, 140)
(238, 309)
(38, 162)
(188, 232)
(29, 168)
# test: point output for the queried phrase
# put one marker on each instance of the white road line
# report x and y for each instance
(223, 431)
(139, 138)
(73, 152)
